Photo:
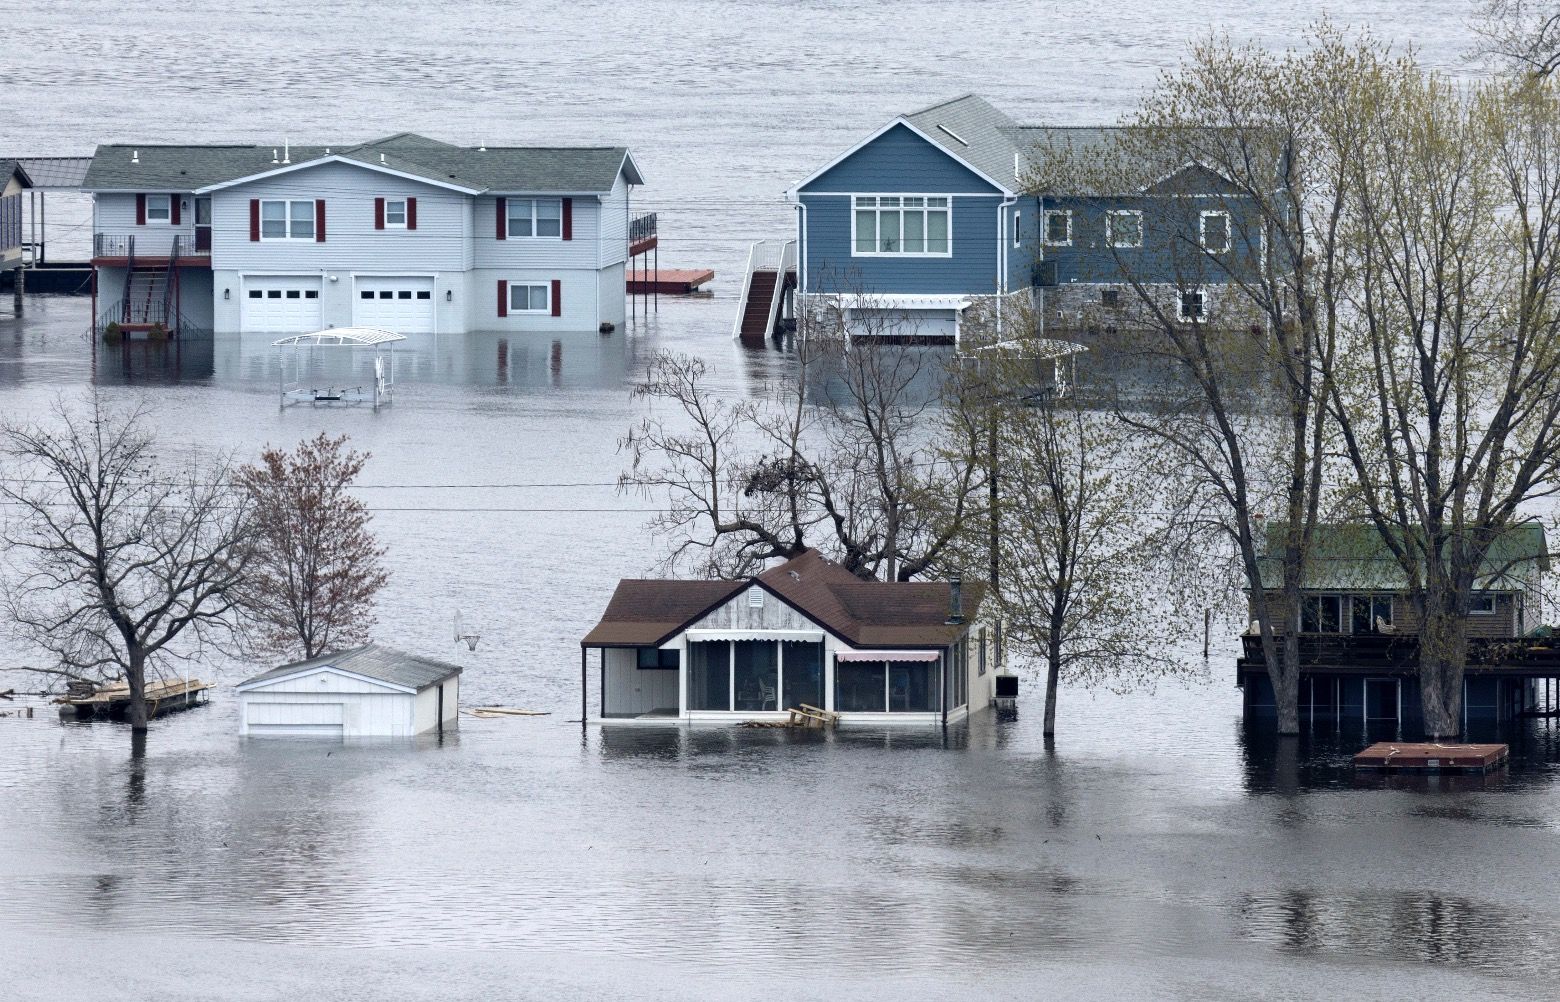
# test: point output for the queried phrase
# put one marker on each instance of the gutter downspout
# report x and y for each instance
(1002, 255)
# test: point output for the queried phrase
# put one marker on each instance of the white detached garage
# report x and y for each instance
(365, 692)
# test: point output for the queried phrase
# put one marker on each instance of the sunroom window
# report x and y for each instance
(902, 224)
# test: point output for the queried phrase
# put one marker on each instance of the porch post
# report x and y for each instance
(603, 683)
(942, 670)
(584, 706)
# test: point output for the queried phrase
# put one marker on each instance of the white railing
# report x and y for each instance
(778, 256)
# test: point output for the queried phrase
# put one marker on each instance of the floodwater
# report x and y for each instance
(1159, 850)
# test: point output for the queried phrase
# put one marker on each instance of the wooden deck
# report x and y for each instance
(114, 700)
(669, 281)
(1397, 756)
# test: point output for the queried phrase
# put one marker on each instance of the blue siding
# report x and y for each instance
(900, 160)
(971, 270)
(1170, 251)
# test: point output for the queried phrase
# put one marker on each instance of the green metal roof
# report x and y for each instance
(1354, 557)
(564, 169)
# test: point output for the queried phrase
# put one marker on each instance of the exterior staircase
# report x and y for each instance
(146, 298)
(771, 272)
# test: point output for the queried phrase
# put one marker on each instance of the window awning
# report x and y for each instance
(815, 636)
(887, 655)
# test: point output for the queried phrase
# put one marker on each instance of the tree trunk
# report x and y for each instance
(1053, 672)
(135, 675)
(1443, 653)
(1286, 684)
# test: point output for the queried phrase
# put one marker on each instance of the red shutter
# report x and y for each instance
(254, 219)
(319, 220)
(173, 209)
(557, 295)
(500, 218)
(568, 219)
(411, 213)
(503, 298)
(140, 210)
(379, 213)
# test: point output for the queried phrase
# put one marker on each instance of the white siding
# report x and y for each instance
(578, 289)
(114, 214)
(739, 614)
(612, 292)
(631, 689)
(363, 714)
(438, 243)
(614, 224)
(537, 252)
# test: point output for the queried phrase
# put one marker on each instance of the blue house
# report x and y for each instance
(941, 209)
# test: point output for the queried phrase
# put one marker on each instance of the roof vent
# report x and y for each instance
(274, 158)
(286, 152)
(482, 147)
(956, 137)
(381, 158)
(135, 156)
(794, 576)
(327, 151)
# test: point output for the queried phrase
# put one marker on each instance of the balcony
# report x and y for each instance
(642, 233)
(151, 248)
(1399, 653)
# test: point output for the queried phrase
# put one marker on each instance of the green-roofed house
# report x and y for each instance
(1359, 629)
(405, 233)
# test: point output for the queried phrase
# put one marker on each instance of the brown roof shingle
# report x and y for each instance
(643, 613)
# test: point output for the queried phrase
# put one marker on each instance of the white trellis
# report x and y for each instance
(375, 389)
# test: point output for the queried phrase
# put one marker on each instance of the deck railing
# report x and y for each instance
(1400, 652)
(154, 243)
(641, 227)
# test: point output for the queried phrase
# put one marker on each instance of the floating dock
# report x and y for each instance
(1397, 756)
(669, 281)
(114, 700)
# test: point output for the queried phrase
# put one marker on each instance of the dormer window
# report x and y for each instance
(395, 213)
(159, 208)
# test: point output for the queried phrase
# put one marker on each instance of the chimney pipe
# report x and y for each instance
(955, 599)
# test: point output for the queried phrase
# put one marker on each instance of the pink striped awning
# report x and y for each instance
(887, 655)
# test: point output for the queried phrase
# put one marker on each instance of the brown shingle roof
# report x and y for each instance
(863, 613)
(643, 613)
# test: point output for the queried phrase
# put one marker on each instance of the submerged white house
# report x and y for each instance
(807, 632)
(364, 692)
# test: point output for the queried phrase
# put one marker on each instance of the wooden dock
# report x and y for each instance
(1397, 756)
(114, 700)
(669, 281)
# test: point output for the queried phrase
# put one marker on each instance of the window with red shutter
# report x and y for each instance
(411, 213)
(379, 213)
(319, 220)
(568, 219)
(557, 298)
(254, 220)
(500, 217)
(173, 209)
(503, 298)
(140, 210)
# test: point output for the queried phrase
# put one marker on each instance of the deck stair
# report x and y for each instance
(147, 300)
(771, 272)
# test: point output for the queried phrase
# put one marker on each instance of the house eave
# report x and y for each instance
(337, 158)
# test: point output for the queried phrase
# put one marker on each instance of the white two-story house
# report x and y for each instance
(405, 233)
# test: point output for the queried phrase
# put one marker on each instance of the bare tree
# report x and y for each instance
(847, 452)
(317, 566)
(120, 562)
(1523, 33)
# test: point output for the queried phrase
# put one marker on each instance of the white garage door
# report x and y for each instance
(300, 720)
(403, 305)
(280, 304)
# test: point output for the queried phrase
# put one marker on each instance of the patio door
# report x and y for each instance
(1383, 700)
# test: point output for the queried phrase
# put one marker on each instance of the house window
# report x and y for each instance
(1481, 603)
(657, 658)
(1371, 614)
(886, 686)
(1124, 228)
(395, 213)
(1058, 227)
(286, 220)
(535, 217)
(1017, 218)
(159, 208)
(1214, 231)
(1192, 306)
(1321, 614)
(981, 665)
(530, 298)
(901, 224)
(1110, 298)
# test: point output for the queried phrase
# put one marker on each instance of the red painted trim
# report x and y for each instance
(501, 218)
(557, 297)
(319, 220)
(379, 213)
(568, 219)
(254, 220)
(411, 213)
(140, 210)
(503, 295)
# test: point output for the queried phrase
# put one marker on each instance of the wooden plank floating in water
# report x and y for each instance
(669, 281)
(1398, 756)
(506, 711)
(800, 716)
(114, 700)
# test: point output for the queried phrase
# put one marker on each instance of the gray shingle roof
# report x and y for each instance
(13, 167)
(373, 661)
(55, 172)
(564, 170)
(975, 132)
